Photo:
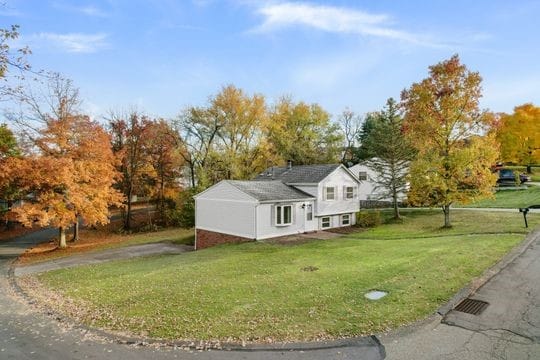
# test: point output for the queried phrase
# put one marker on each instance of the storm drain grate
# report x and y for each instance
(471, 306)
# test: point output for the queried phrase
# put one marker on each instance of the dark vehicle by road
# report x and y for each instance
(508, 177)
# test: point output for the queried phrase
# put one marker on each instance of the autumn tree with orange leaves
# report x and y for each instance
(70, 178)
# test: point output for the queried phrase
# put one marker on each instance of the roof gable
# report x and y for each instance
(346, 171)
(223, 190)
(253, 191)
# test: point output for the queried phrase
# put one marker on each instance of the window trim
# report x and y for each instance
(348, 219)
(334, 193)
(346, 192)
(362, 175)
(329, 222)
(279, 215)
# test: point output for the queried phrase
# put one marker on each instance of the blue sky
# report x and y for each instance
(163, 55)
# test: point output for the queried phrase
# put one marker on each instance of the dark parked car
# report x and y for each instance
(508, 177)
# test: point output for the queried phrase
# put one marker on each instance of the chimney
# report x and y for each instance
(289, 164)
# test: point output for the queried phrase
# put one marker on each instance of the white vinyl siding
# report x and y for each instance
(339, 179)
(266, 227)
(226, 216)
(367, 188)
(225, 209)
(337, 220)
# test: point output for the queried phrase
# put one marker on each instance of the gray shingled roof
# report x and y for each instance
(301, 174)
(269, 190)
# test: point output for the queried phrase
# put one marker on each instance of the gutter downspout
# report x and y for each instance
(195, 243)
(255, 220)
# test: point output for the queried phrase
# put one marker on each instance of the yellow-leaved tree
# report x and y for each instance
(519, 135)
(451, 135)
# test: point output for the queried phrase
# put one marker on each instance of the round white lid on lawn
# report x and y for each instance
(375, 295)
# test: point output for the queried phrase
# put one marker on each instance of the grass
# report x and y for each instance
(511, 199)
(262, 292)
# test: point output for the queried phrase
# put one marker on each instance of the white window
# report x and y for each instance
(349, 192)
(283, 215)
(329, 193)
(326, 222)
(362, 175)
(345, 219)
(309, 212)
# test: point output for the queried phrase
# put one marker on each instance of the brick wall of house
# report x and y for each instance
(206, 238)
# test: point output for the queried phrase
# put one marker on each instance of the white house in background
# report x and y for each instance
(280, 201)
(367, 189)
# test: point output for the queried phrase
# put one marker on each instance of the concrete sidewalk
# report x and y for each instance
(127, 252)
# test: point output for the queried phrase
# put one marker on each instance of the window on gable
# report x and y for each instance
(283, 215)
(349, 192)
(362, 175)
(330, 193)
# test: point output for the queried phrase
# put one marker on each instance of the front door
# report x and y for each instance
(310, 224)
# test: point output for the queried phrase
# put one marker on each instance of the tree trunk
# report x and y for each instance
(75, 231)
(192, 174)
(446, 210)
(62, 238)
(127, 220)
(9, 224)
(395, 203)
(161, 209)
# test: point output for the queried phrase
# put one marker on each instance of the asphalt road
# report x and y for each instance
(28, 334)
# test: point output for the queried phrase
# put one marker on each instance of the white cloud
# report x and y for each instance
(333, 19)
(74, 42)
(89, 10)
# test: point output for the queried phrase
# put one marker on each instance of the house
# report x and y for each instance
(280, 201)
(368, 189)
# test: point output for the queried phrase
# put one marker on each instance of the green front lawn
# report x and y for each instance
(511, 199)
(315, 290)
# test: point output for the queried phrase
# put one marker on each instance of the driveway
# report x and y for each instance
(28, 334)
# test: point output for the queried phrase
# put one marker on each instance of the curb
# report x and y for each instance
(480, 281)
(363, 341)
